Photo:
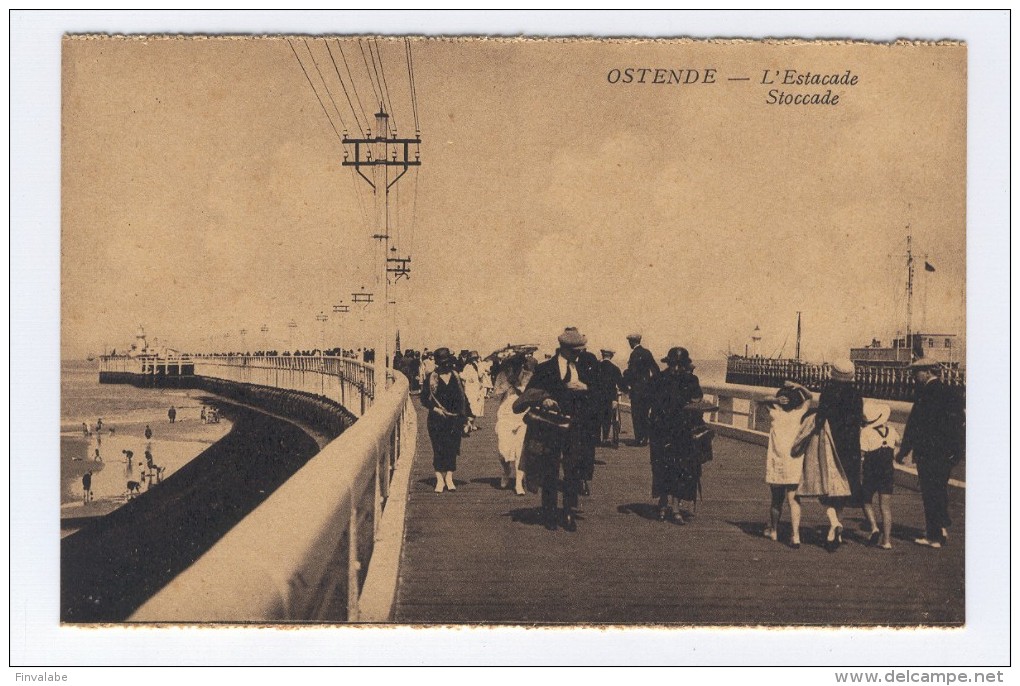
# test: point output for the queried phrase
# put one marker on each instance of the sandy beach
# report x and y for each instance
(118, 561)
(171, 447)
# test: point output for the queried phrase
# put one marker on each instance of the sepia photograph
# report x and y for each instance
(520, 332)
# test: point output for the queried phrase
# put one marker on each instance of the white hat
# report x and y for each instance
(876, 414)
(843, 370)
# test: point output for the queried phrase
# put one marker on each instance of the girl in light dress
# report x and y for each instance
(511, 381)
(782, 470)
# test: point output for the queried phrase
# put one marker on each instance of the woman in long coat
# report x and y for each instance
(830, 441)
(676, 469)
(443, 395)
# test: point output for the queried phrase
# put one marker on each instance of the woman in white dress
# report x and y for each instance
(511, 381)
(783, 471)
(472, 379)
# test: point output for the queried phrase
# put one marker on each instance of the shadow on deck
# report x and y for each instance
(481, 555)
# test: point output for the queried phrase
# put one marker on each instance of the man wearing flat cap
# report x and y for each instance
(641, 369)
(563, 384)
(935, 433)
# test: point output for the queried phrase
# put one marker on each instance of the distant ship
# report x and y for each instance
(881, 371)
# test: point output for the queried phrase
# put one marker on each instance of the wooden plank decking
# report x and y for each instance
(480, 554)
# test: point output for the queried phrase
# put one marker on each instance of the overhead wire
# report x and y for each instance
(354, 86)
(343, 85)
(386, 88)
(410, 81)
(321, 104)
(368, 70)
(325, 85)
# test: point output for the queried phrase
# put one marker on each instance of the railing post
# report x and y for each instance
(725, 414)
(353, 564)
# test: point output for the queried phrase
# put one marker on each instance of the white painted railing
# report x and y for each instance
(303, 554)
(346, 381)
(743, 413)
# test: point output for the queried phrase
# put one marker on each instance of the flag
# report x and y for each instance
(928, 267)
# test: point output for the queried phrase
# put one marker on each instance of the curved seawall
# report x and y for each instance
(115, 564)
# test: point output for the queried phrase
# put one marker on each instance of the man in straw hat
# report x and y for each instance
(563, 384)
(641, 369)
(935, 434)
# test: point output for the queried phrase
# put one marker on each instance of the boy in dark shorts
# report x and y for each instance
(878, 441)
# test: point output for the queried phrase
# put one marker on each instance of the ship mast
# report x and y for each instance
(798, 337)
(910, 290)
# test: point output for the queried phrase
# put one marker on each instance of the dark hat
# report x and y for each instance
(442, 355)
(634, 337)
(923, 363)
(608, 352)
(572, 338)
(791, 396)
(678, 356)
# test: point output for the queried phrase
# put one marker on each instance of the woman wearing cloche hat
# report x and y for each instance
(841, 407)
(676, 470)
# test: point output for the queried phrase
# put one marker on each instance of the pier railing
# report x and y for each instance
(302, 555)
(743, 412)
(872, 380)
(348, 382)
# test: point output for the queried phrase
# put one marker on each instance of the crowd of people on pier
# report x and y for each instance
(553, 414)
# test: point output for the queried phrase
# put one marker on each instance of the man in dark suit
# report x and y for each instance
(564, 384)
(935, 434)
(641, 369)
(610, 383)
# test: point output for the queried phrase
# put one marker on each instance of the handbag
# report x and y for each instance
(702, 437)
(556, 422)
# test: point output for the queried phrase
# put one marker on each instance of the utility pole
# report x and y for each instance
(290, 339)
(386, 158)
(364, 299)
(321, 318)
(265, 338)
(341, 309)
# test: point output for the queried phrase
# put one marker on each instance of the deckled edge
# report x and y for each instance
(468, 38)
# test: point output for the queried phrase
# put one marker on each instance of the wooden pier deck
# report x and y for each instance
(481, 555)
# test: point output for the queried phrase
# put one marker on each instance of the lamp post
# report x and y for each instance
(290, 338)
(265, 338)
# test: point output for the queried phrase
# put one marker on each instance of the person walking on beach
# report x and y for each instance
(443, 395)
(783, 470)
(641, 370)
(97, 457)
(86, 483)
(85, 429)
(935, 434)
(172, 414)
(148, 432)
(99, 425)
(204, 415)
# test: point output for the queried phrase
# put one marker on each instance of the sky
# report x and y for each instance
(203, 195)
